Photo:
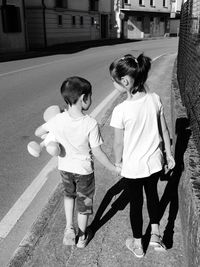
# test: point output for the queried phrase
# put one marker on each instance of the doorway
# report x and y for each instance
(104, 26)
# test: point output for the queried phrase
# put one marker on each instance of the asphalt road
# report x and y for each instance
(27, 88)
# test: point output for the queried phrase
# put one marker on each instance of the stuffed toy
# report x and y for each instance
(49, 142)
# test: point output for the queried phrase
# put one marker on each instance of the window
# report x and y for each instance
(73, 20)
(11, 20)
(152, 3)
(81, 20)
(61, 3)
(165, 3)
(141, 2)
(93, 5)
(92, 21)
(60, 21)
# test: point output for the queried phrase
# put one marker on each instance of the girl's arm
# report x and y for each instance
(167, 143)
(118, 145)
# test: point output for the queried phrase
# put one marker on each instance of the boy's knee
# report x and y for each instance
(84, 204)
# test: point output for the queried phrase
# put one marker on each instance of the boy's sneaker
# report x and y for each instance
(157, 243)
(69, 237)
(135, 249)
(83, 243)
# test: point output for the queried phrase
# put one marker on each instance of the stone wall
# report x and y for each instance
(188, 76)
(188, 173)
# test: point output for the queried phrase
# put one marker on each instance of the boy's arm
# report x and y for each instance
(118, 145)
(167, 143)
(103, 159)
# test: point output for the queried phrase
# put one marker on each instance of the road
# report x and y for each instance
(27, 88)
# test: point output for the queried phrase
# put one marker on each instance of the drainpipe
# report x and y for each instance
(44, 23)
(25, 26)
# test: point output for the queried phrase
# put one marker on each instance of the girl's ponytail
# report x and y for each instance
(144, 65)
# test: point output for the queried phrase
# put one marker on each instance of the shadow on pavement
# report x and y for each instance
(119, 204)
(66, 48)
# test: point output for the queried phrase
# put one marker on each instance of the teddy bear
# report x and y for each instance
(49, 142)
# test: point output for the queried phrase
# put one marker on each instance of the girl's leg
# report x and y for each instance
(135, 192)
(153, 209)
(151, 191)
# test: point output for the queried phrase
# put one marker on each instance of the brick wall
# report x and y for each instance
(189, 64)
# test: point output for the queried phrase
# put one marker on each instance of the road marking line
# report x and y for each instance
(32, 67)
(14, 214)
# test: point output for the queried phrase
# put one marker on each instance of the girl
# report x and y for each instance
(139, 124)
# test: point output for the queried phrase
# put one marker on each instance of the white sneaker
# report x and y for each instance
(83, 243)
(69, 238)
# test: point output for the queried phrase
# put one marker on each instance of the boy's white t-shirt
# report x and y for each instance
(77, 136)
(142, 153)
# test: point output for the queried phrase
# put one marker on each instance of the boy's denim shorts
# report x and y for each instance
(81, 187)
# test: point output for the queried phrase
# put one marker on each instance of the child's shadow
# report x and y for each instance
(170, 195)
(119, 204)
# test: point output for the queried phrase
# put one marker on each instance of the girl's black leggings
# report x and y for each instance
(134, 189)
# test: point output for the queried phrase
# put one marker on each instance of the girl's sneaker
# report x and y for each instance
(69, 236)
(134, 248)
(157, 243)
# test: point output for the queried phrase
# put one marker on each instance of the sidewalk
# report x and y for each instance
(43, 246)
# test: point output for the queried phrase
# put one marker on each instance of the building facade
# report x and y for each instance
(12, 26)
(144, 18)
(176, 8)
(52, 22)
(175, 17)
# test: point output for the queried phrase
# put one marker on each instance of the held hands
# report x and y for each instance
(118, 168)
(170, 162)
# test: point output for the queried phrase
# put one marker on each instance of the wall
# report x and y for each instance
(189, 63)
(188, 74)
(146, 7)
(67, 31)
(174, 27)
(13, 41)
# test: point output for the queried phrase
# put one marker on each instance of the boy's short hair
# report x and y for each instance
(73, 87)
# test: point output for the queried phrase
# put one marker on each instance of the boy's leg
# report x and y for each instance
(69, 202)
(69, 211)
(82, 224)
(85, 193)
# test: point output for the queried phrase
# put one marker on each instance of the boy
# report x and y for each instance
(79, 135)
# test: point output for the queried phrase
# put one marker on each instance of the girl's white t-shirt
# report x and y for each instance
(77, 136)
(142, 153)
